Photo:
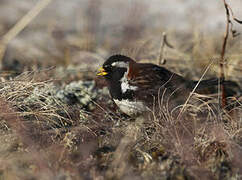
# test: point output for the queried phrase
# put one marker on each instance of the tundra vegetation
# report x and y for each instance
(57, 120)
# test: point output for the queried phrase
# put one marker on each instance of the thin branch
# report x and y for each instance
(237, 20)
(164, 43)
(229, 26)
(232, 13)
(222, 60)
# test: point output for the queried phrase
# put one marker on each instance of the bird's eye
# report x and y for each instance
(108, 67)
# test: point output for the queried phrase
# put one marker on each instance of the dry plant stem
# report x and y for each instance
(162, 49)
(2, 51)
(184, 107)
(222, 60)
(21, 24)
(194, 89)
(234, 18)
(164, 43)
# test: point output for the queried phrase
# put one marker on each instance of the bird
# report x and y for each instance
(136, 87)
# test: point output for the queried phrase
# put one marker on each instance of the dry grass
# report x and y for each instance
(43, 137)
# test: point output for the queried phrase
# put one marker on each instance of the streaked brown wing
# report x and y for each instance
(152, 80)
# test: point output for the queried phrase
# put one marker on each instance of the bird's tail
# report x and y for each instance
(208, 83)
(231, 87)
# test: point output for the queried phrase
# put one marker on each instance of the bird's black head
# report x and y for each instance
(115, 67)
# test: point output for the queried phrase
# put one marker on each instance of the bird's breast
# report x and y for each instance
(125, 85)
(131, 108)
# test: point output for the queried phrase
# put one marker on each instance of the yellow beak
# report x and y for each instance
(101, 72)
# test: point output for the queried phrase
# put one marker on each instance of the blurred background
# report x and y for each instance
(85, 32)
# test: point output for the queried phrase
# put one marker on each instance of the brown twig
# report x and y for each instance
(164, 43)
(222, 60)
(232, 13)
(229, 26)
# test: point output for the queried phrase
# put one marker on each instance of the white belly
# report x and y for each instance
(131, 108)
